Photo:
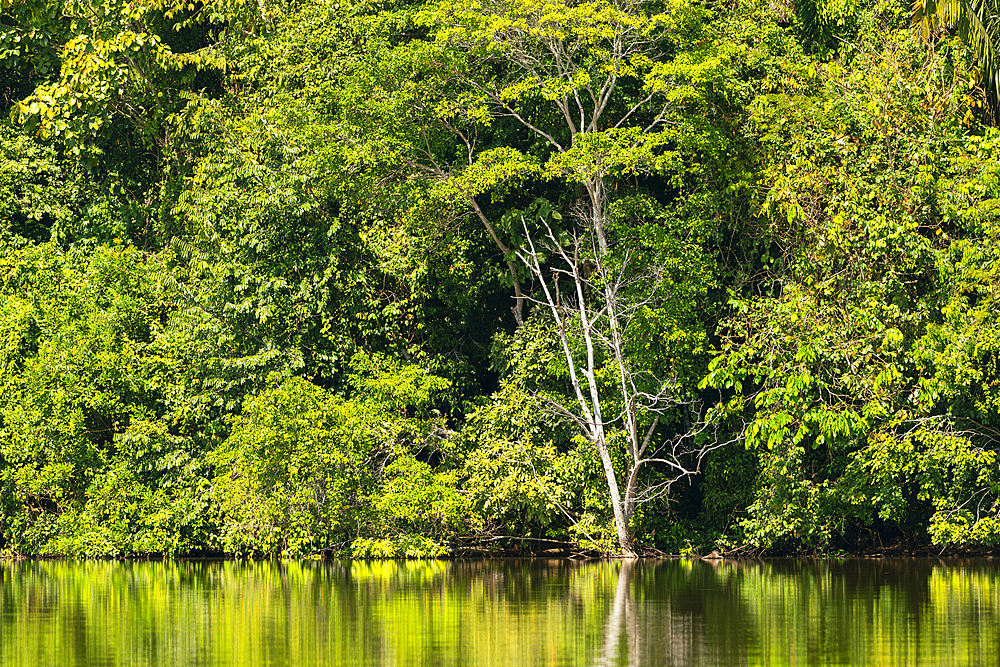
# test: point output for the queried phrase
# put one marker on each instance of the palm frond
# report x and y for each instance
(977, 23)
(980, 28)
(932, 16)
(810, 18)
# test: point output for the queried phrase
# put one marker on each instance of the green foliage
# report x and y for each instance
(288, 476)
(823, 22)
(102, 61)
(416, 512)
(259, 261)
(516, 476)
(404, 390)
(36, 193)
(851, 415)
(304, 471)
(89, 463)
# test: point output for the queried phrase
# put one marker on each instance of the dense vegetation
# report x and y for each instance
(426, 277)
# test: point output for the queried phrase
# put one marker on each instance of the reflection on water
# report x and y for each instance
(501, 612)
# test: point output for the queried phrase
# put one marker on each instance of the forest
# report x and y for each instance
(440, 278)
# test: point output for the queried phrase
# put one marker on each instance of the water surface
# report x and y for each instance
(500, 612)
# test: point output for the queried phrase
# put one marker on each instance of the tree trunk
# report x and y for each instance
(518, 307)
(621, 519)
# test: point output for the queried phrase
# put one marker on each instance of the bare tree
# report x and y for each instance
(593, 307)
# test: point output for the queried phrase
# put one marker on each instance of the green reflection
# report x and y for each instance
(499, 613)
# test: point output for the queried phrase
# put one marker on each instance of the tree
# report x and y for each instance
(616, 314)
(570, 98)
(91, 461)
(530, 94)
(851, 351)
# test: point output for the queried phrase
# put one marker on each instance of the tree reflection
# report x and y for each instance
(622, 614)
(497, 613)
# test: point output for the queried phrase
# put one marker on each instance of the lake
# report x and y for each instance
(500, 612)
